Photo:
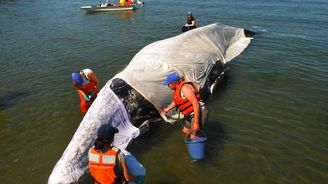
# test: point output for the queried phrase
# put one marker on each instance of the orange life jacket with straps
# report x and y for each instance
(103, 165)
(183, 104)
(84, 104)
(89, 88)
(128, 2)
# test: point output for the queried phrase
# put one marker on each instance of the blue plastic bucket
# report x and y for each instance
(196, 147)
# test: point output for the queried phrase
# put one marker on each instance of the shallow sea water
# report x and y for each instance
(268, 121)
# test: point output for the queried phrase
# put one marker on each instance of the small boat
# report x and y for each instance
(98, 8)
(106, 6)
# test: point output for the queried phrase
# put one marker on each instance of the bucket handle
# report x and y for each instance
(201, 131)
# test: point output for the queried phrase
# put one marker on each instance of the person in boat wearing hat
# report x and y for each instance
(187, 99)
(191, 21)
(107, 163)
(105, 4)
(86, 84)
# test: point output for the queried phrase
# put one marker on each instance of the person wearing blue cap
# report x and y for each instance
(86, 84)
(107, 163)
(191, 21)
(187, 99)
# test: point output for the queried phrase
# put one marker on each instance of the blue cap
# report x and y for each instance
(189, 13)
(173, 77)
(107, 132)
(77, 78)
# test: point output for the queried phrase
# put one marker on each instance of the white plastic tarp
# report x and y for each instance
(192, 54)
(106, 109)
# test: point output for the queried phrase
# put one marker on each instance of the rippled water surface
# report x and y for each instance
(268, 122)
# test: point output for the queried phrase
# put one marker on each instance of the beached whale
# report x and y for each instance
(132, 99)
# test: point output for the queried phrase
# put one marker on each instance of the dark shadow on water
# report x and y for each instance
(13, 98)
(215, 129)
(157, 133)
(216, 136)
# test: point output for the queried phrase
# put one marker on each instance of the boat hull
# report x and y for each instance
(107, 8)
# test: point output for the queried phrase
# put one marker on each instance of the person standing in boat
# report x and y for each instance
(191, 21)
(187, 99)
(86, 84)
(105, 4)
(107, 163)
(126, 2)
(129, 2)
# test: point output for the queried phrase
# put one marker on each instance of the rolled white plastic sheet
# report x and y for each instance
(106, 109)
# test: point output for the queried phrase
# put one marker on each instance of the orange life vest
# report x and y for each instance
(183, 104)
(102, 165)
(84, 105)
(87, 89)
(128, 2)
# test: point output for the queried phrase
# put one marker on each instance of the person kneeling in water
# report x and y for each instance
(107, 163)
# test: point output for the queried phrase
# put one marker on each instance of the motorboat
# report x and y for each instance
(107, 6)
(99, 8)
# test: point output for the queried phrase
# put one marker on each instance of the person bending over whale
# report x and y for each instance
(187, 99)
(86, 84)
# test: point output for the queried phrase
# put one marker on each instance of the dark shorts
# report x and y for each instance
(189, 120)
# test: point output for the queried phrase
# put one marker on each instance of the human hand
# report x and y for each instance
(90, 96)
(194, 134)
(195, 128)
(164, 111)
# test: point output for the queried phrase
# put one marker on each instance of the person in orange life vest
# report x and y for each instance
(88, 76)
(128, 2)
(86, 84)
(187, 99)
(107, 163)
